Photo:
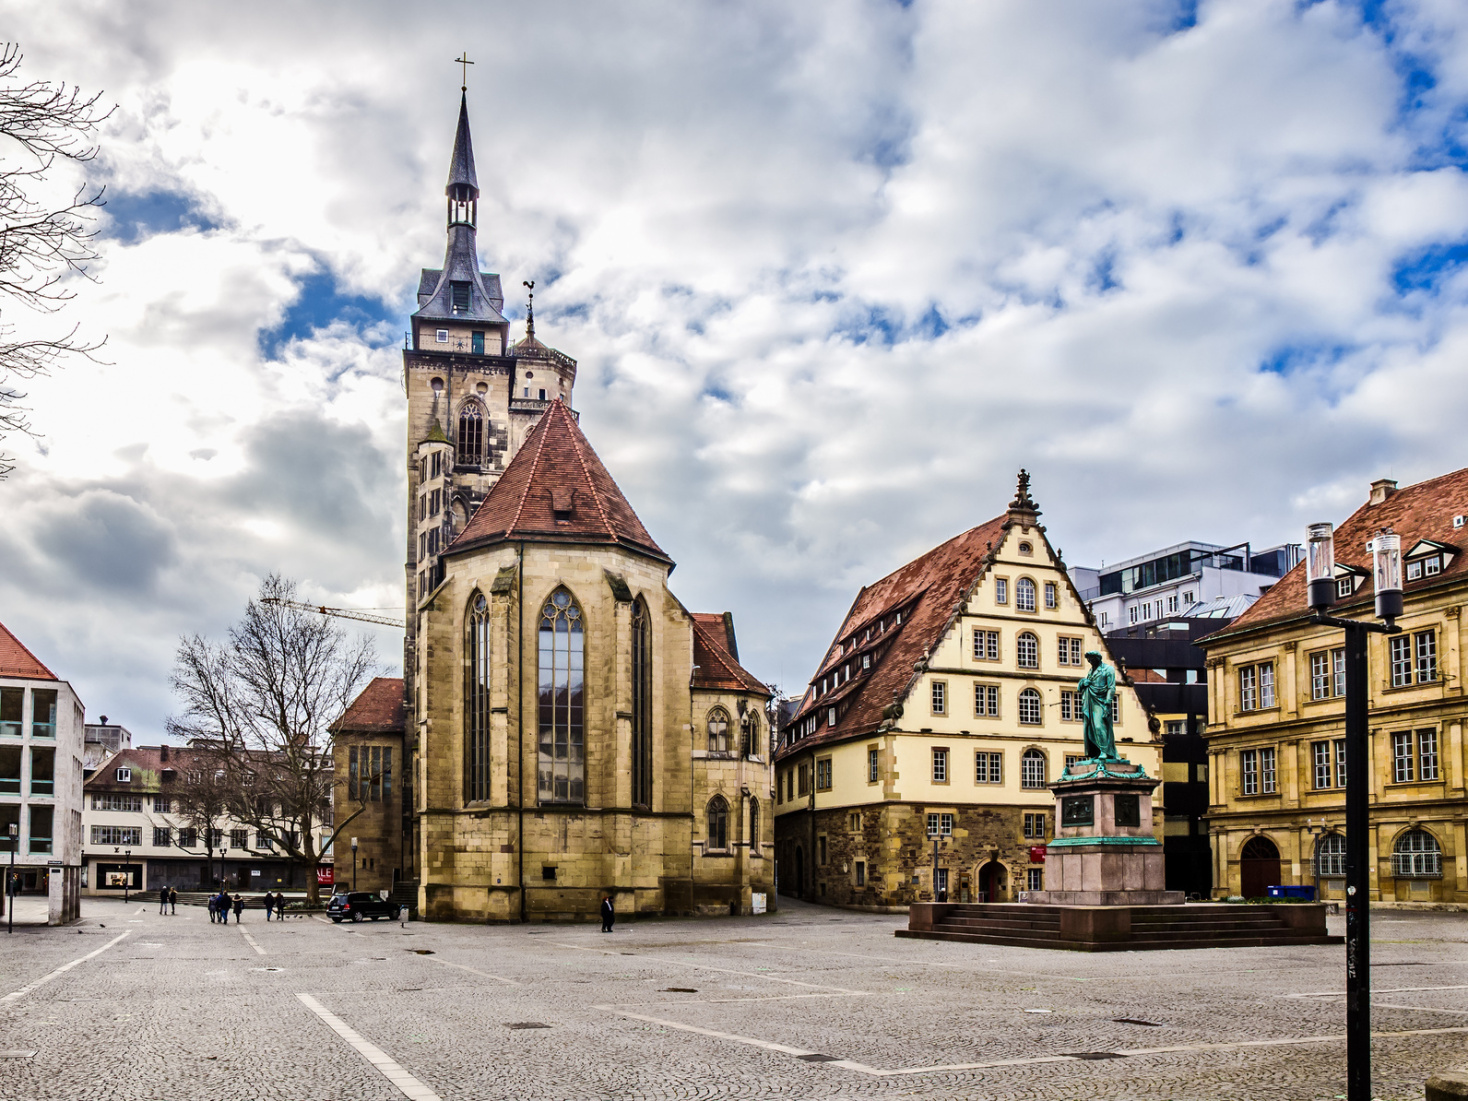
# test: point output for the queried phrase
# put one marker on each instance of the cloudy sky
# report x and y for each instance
(833, 272)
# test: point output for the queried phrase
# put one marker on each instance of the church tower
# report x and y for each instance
(472, 396)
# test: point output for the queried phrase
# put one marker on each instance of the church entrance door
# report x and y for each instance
(799, 872)
(991, 882)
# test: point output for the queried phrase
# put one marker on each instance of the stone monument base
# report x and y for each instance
(1106, 898)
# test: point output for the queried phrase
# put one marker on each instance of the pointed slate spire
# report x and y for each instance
(461, 164)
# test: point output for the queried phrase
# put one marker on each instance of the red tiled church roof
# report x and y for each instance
(713, 653)
(925, 591)
(1421, 511)
(556, 488)
(17, 661)
(378, 709)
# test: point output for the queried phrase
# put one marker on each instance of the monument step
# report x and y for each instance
(1281, 939)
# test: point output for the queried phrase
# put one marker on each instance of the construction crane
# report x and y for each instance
(339, 613)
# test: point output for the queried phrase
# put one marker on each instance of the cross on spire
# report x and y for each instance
(464, 62)
(529, 284)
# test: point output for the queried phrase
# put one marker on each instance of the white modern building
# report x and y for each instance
(138, 839)
(41, 738)
(1175, 581)
(103, 740)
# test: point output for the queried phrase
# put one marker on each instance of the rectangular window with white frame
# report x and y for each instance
(1256, 686)
(1249, 772)
(1070, 710)
(823, 774)
(873, 773)
(940, 697)
(1427, 755)
(1268, 776)
(1425, 644)
(988, 767)
(1324, 774)
(1401, 660)
(1172, 605)
(1340, 762)
(1403, 770)
(1068, 650)
(1052, 595)
(986, 645)
(940, 766)
(1035, 879)
(986, 701)
(1001, 590)
(940, 825)
(1034, 826)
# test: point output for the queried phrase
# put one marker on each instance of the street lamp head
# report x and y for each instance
(13, 830)
(1386, 558)
(354, 844)
(1320, 566)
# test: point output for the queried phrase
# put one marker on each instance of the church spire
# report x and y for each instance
(463, 186)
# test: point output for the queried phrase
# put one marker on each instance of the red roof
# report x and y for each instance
(556, 488)
(714, 652)
(378, 709)
(1418, 512)
(17, 661)
(925, 591)
(147, 763)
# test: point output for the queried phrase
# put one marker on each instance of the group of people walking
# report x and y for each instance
(222, 903)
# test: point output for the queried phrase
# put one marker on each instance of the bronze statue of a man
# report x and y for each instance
(1097, 691)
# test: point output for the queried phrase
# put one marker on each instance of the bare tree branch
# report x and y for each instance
(261, 707)
(41, 244)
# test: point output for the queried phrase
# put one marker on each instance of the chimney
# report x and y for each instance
(1381, 489)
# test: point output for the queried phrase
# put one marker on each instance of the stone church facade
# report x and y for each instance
(574, 730)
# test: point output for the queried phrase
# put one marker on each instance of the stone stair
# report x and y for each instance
(1205, 925)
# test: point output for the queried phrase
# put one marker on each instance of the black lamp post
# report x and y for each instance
(14, 831)
(354, 863)
(1386, 553)
(127, 873)
(223, 848)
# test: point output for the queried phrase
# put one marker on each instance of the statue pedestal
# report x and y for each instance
(1104, 852)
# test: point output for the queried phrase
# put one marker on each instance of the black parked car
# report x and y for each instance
(358, 906)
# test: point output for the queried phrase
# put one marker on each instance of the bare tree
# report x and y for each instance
(41, 242)
(261, 706)
(202, 800)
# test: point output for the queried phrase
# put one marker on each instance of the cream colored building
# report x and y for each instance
(943, 709)
(1276, 717)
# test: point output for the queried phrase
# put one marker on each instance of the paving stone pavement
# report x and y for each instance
(804, 1003)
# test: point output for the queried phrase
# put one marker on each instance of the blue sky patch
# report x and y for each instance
(136, 216)
(1427, 269)
(319, 304)
(1289, 358)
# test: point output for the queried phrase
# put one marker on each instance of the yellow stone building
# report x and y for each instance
(1277, 714)
(580, 732)
(943, 709)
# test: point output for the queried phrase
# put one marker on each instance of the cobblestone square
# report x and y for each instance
(804, 1003)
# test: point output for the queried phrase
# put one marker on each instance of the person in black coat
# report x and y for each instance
(279, 906)
(222, 903)
(213, 908)
(608, 913)
(239, 908)
(173, 901)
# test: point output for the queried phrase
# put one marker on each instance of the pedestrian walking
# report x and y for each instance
(173, 902)
(279, 906)
(163, 900)
(213, 909)
(239, 908)
(608, 913)
(269, 901)
(223, 905)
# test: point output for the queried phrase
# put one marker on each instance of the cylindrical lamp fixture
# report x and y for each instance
(1386, 555)
(1320, 565)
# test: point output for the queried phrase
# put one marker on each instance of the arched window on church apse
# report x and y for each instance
(476, 699)
(641, 704)
(562, 701)
(718, 825)
(470, 438)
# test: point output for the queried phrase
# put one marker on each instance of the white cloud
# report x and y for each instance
(833, 272)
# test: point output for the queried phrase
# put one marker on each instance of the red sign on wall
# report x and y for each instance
(325, 875)
(1037, 854)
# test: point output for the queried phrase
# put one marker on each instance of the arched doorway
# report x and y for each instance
(799, 872)
(1258, 867)
(991, 882)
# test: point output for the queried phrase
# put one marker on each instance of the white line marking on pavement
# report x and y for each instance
(722, 970)
(1420, 1008)
(1389, 990)
(328, 921)
(253, 943)
(388, 1068)
(473, 970)
(862, 1068)
(63, 969)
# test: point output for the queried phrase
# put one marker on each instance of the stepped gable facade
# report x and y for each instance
(373, 785)
(942, 710)
(1276, 727)
(580, 732)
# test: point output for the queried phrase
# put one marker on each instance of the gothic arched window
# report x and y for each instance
(562, 701)
(476, 700)
(641, 705)
(471, 432)
(749, 734)
(718, 824)
(753, 826)
(718, 730)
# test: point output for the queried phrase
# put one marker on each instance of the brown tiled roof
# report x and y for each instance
(714, 655)
(17, 661)
(147, 763)
(556, 488)
(1421, 511)
(925, 591)
(378, 709)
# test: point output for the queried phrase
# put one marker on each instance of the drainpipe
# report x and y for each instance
(520, 724)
